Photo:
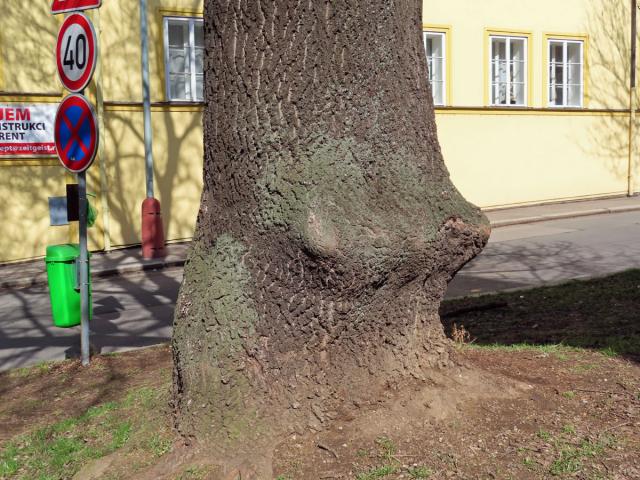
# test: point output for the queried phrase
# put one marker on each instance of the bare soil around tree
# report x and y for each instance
(550, 388)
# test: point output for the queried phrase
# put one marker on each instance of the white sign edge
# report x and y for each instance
(95, 56)
(74, 9)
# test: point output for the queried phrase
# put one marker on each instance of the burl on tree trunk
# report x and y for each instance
(328, 228)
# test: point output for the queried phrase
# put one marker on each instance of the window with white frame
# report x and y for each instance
(435, 46)
(184, 58)
(508, 70)
(566, 77)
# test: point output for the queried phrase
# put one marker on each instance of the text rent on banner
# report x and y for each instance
(26, 130)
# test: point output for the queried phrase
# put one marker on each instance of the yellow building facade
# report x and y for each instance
(537, 148)
(509, 137)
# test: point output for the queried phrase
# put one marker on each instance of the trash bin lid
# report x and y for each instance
(62, 253)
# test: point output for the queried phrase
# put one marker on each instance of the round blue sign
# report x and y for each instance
(76, 133)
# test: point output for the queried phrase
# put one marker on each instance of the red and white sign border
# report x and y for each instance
(77, 6)
(77, 99)
(92, 52)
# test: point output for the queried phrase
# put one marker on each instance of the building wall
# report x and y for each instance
(117, 177)
(535, 157)
(497, 157)
(510, 156)
(177, 151)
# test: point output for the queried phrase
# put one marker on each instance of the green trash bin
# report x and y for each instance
(64, 284)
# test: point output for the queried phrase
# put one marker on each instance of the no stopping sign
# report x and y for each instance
(76, 52)
(76, 133)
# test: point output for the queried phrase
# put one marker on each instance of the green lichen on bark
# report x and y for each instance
(221, 281)
(338, 194)
(231, 303)
(222, 320)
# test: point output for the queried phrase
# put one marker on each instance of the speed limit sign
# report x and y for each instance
(76, 52)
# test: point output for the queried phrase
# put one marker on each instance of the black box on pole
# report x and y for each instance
(73, 205)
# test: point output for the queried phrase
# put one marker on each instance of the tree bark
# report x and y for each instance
(328, 228)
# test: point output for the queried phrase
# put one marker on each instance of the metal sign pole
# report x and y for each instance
(78, 30)
(84, 268)
(632, 98)
(146, 98)
(85, 353)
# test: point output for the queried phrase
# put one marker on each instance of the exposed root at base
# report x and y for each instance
(442, 395)
(257, 465)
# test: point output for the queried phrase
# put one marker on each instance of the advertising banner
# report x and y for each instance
(26, 130)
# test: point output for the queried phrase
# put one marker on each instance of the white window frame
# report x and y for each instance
(445, 60)
(192, 58)
(509, 38)
(565, 65)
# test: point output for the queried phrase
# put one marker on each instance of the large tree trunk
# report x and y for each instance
(328, 227)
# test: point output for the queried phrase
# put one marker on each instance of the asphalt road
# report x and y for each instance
(137, 310)
(550, 252)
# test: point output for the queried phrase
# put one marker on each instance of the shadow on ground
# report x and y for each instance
(130, 311)
(601, 314)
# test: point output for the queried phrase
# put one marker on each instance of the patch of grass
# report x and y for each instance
(583, 368)
(200, 473)
(419, 472)
(56, 450)
(145, 397)
(388, 448)
(571, 458)
(386, 453)
(377, 472)
(569, 394)
(121, 435)
(616, 345)
(159, 445)
(558, 349)
(59, 450)
(9, 464)
(544, 435)
(33, 370)
(571, 454)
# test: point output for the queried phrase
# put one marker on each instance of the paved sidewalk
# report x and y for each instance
(32, 273)
(116, 262)
(542, 213)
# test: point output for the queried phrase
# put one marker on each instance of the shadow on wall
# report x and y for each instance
(177, 171)
(32, 49)
(178, 149)
(609, 24)
(177, 133)
(27, 65)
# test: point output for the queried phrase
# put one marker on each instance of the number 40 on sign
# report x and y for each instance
(76, 52)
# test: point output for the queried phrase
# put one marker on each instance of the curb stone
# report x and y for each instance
(41, 279)
(564, 215)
